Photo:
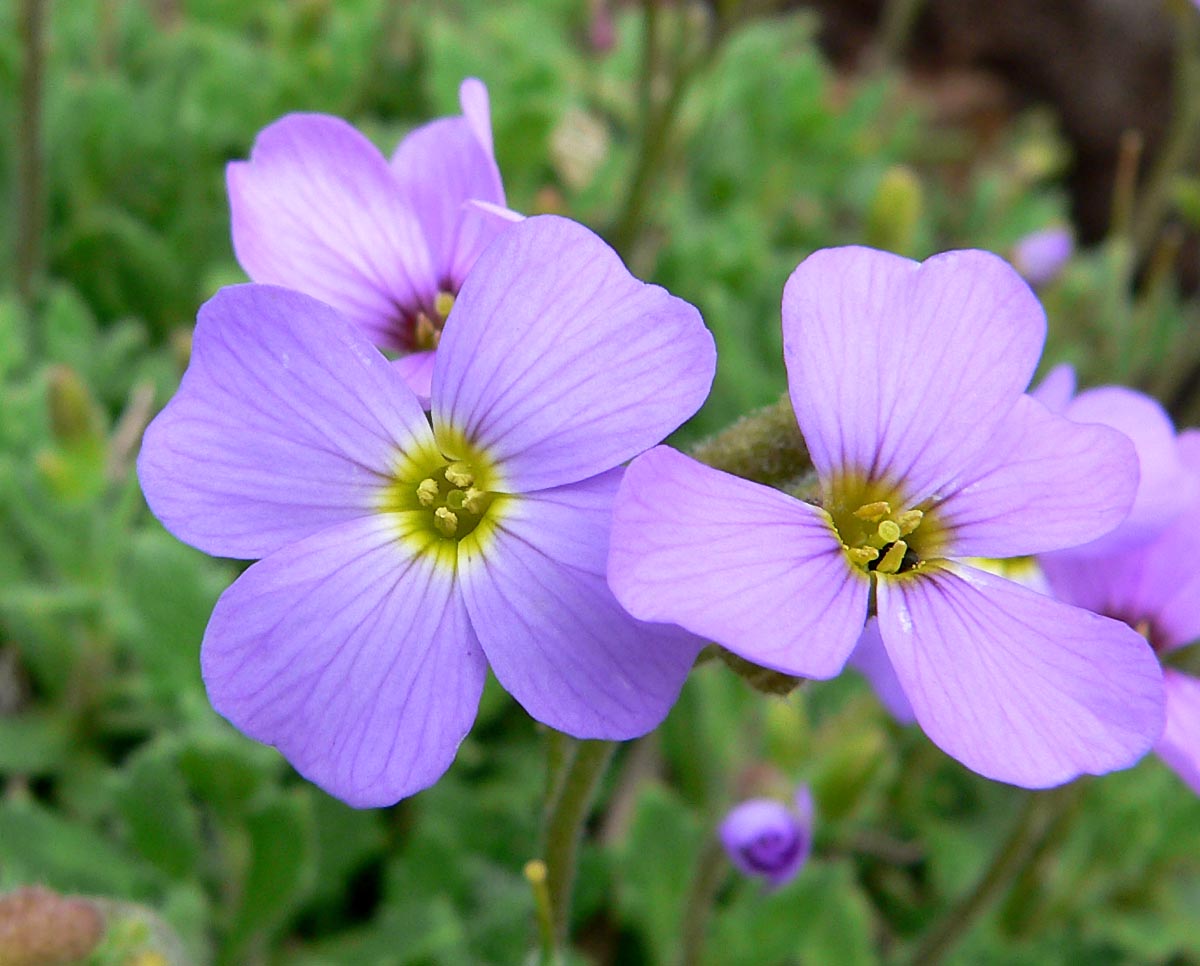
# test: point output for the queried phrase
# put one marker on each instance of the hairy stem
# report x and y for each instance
(566, 815)
(1027, 839)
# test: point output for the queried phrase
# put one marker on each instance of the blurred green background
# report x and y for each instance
(714, 165)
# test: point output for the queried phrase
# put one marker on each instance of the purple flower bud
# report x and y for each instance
(602, 31)
(765, 838)
(1040, 256)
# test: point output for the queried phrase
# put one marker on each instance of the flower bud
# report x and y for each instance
(765, 838)
(74, 414)
(895, 211)
(1040, 257)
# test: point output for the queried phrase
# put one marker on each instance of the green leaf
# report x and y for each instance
(36, 845)
(161, 820)
(281, 869)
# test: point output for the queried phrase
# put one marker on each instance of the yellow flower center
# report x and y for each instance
(881, 531)
(427, 329)
(444, 495)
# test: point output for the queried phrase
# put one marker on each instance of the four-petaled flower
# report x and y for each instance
(402, 553)
(318, 209)
(1146, 573)
(907, 380)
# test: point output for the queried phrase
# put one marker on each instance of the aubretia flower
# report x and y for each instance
(765, 838)
(317, 208)
(907, 380)
(1153, 585)
(403, 554)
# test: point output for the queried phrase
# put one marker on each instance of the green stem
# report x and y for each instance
(564, 826)
(710, 873)
(899, 18)
(30, 201)
(658, 116)
(1183, 135)
(1025, 841)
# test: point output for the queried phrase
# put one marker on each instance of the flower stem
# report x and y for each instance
(1037, 820)
(710, 872)
(30, 200)
(1183, 134)
(566, 813)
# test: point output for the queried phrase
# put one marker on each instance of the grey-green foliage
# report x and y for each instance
(118, 778)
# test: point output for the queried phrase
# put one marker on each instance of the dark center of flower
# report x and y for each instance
(428, 325)
(880, 532)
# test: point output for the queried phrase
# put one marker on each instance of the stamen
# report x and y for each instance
(890, 564)
(459, 474)
(427, 492)
(862, 555)
(443, 303)
(475, 501)
(426, 335)
(873, 512)
(909, 520)
(445, 521)
(889, 531)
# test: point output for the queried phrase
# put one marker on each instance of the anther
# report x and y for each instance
(873, 512)
(425, 334)
(909, 520)
(475, 501)
(427, 492)
(890, 564)
(443, 303)
(459, 474)
(862, 555)
(889, 531)
(445, 521)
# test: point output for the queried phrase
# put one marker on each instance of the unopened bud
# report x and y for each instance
(895, 211)
(74, 415)
(766, 838)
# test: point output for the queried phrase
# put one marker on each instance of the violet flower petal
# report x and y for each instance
(555, 636)
(316, 208)
(1043, 482)
(751, 568)
(417, 370)
(1179, 746)
(870, 659)
(442, 165)
(1057, 388)
(1017, 685)
(287, 421)
(1165, 484)
(904, 370)
(1150, 582)
(355, 660)
(560, 363)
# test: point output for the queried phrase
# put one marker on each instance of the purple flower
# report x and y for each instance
(317, 208)
(907, 380)
(767, 839)
(404, 554)
(1041, 256)
(1155, 588)
(1164, 485)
